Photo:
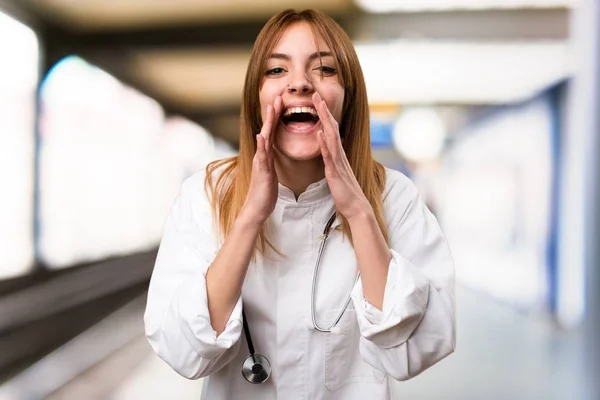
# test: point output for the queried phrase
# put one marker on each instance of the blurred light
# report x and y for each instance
(387, 6)
(419, 134)
(19, 44)
(187, 148)
(100, 163)
(111, 165)
(494, 202)
(223, 149)
(18, 81)
(191, 144)
(423, 72)
(72, 79)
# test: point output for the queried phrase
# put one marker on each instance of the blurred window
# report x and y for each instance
(110, 167)
(18, 83)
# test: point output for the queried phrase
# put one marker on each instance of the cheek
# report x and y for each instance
(266, 96)
(340, 107)
(334, 97)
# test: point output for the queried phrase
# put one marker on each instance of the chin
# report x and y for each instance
(298, 148)
(299, 154)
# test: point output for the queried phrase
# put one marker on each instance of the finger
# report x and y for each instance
(260, 146)
(261, 153)
(329, 123)
(323, 146)
(272, 118)
(324, 149)
(277, 110)
(266, 128)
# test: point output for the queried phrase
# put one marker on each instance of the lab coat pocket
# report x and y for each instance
(343, 362)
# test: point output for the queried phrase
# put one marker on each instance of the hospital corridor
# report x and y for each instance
(490, 107)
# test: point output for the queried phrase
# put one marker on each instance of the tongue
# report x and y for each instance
(300, 126)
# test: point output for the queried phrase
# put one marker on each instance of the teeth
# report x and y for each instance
(298, 110)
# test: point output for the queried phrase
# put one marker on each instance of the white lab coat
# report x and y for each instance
(415, 329)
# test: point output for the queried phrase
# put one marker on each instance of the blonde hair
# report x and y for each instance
(228, 192)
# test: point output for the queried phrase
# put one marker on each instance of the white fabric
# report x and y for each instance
(414, 330)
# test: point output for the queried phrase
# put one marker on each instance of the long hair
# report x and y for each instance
(230, 185)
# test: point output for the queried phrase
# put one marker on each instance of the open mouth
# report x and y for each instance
(300, 118)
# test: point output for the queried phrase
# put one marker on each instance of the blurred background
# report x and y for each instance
(489, 106)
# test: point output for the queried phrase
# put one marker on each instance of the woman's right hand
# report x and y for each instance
(262, 194)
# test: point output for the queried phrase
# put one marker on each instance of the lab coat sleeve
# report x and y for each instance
(177, 321)
(416, 326)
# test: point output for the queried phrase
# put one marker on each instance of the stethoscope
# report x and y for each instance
(257, 368)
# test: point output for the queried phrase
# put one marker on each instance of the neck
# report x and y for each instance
(298, 175)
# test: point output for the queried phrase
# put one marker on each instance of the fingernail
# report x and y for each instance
(268, 107)
(318, 96)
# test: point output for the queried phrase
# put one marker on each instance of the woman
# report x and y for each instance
(248, 231)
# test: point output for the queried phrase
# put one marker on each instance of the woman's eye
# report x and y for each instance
(327, 71)
(274, 71)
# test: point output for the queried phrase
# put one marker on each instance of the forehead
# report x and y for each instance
(300, 38)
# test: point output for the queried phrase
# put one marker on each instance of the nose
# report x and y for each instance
(300, 83)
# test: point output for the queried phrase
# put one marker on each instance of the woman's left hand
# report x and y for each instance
(346, 192)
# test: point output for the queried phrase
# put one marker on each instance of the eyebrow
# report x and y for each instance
(318, 54)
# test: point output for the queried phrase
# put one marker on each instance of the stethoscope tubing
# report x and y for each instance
(326, 232)
(259, 360)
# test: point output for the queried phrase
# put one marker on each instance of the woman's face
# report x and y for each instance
(295, 73)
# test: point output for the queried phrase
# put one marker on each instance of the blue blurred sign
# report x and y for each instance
(381, 133)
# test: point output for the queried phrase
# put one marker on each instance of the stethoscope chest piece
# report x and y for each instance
(256, 368)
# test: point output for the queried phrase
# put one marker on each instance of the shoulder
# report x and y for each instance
(196, 179)
(193, 186)
(193, 206)
(402, 203)
(398, 188)
(404, 208)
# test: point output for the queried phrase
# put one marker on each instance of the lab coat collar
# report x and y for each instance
(314, 193)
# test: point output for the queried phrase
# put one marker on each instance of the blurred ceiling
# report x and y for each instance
(191, 55)
(106, 15)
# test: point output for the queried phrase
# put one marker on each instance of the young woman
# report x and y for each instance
(302, 248)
